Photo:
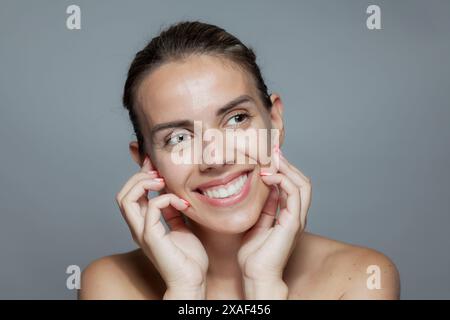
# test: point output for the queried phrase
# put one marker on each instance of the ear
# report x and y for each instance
(276, 115)
(134, 151)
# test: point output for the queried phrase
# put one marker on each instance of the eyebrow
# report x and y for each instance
(233, 103)
(188, 123)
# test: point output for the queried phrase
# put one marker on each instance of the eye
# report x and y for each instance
(177, 138)
(237, 119)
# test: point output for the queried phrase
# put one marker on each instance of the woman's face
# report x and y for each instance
(225, 197)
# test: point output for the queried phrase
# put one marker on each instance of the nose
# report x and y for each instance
(204, 167)
(216, 154)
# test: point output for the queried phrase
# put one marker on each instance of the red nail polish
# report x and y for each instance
(187, 203)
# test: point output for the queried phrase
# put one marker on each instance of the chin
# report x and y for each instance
(236, 223)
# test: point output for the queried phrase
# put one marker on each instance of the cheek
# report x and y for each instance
(263, 192)
(256, 144)
(174, 175)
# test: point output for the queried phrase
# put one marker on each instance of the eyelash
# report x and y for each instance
(166, 142)
(246, 118)
(246, 115)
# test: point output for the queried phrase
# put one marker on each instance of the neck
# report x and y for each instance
(221, 248)
(222, 252)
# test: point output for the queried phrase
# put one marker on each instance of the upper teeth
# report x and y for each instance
(229, 190)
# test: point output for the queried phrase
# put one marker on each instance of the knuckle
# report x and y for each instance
(141, 183)
(166, 196)
(124, 201)
(118, 198)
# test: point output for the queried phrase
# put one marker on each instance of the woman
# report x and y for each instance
(235, 230)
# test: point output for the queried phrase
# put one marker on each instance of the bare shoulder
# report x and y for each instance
(127, 275)
(339, 270)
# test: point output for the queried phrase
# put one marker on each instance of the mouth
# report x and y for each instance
(223, 193)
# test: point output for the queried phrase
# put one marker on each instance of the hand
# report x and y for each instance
(267, 246)
(178, 254)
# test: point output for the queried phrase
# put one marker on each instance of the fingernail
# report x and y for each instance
(185, 202)
(265, 173)
(152, 172)
(159, 179)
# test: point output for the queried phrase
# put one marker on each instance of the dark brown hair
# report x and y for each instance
(178, 42)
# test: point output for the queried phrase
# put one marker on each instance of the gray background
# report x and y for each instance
(367, 117)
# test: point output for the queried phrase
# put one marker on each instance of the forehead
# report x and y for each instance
(192, 88)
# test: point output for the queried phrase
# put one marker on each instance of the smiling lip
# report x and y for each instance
(229, 201)
(221, 181)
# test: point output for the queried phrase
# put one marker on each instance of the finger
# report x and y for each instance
(133, 180)
(130, 208)
(147, 165)
(291, 212)
(141, 188)
(173, 218)
(302, 182)
(153, 226)
(269, 210)
(283, 199)
(294, 174)
(282, 157)
(273, 165)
